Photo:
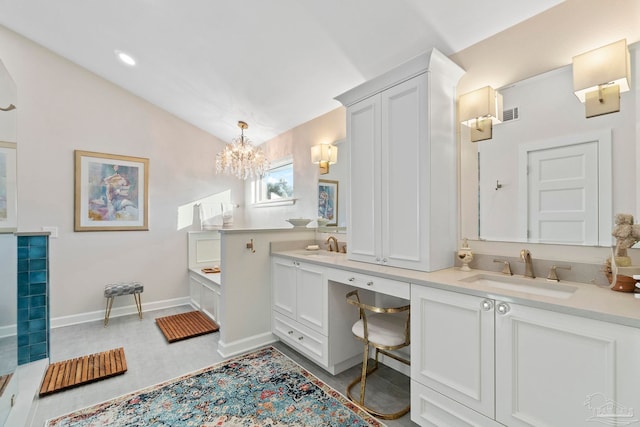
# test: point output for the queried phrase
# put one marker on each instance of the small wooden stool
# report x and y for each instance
(116, 289)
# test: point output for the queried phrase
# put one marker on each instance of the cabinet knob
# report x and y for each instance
(352, 279)
(487, 305)
(503, 308)
(370, 283)
(290, 332)
(300, 338)
(384, 260)
(377, 259)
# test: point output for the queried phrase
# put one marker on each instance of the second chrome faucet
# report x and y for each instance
(525, 256)
(331, 239)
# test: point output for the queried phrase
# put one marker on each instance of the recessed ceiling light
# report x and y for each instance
(125, 58)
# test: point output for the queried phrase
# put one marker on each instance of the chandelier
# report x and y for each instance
(241, 158)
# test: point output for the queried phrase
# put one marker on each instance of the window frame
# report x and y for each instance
(259, 192)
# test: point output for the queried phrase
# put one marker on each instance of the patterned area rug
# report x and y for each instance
(264, 388)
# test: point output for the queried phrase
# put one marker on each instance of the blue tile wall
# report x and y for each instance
(33, 298)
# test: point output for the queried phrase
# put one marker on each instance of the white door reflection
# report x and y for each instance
(559, 192)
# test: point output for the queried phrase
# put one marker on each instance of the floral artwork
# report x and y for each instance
(111, 192)
(328, 201)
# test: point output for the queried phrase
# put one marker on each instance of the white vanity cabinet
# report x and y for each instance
(300, 292)
(401, 132)
(476, 361)
(205, 289)
(312, 316)
(554, 369)
(205, 295)
(452, 348)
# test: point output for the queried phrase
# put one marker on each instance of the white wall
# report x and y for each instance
(7, 97)
(62, 108)
(297, 142)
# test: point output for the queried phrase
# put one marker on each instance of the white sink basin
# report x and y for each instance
(520, 284)
(320, 254)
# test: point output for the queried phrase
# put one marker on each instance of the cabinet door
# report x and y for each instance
(209, 302)
(363, 132)
(553, 369)
(195, 287)
(452, 346)
(283, 286)
(404, 173)
(311, 307)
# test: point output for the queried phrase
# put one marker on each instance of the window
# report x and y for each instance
(276, 187)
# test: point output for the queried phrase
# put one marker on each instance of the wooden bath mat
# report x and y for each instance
(83, 370)
(4, 380)
(186, 325)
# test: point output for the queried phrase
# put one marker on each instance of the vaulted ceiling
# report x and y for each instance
(273, 63)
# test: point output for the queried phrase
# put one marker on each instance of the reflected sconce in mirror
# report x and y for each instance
(324, 155)
(600, 75)
(480, 110)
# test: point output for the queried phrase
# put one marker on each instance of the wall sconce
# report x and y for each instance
(479, 110)
(600, 75)
(324, 155)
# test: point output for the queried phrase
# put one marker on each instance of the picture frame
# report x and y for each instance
(8, 187)
(328, 201)
(111, 192)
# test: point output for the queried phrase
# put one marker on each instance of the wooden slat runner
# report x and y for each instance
(83, 370)
(4, 380)
(186, 325)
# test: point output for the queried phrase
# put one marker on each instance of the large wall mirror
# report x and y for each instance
(8, 251)
(550, 175)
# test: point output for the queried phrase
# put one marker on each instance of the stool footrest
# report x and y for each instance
(113, 290)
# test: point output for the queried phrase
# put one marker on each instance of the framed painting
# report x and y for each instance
(8, 188)
(111, 192)
(328, 201)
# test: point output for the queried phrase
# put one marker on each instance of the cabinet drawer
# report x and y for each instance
(301, 338)
(432, 409)
(372, 283)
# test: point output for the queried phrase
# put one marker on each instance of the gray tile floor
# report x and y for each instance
(151, 360)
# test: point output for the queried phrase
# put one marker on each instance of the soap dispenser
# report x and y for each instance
(465, 255)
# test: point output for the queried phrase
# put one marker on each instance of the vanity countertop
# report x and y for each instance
(214, 277)
(588, 300)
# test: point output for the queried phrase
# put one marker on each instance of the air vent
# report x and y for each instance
(511, 114)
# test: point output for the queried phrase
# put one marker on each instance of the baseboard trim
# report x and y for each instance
(8, 331)
(394, 364)
(244, 345)
(92, 316)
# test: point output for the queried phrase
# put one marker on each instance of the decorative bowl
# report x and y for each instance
(322, 222)
(299, 222)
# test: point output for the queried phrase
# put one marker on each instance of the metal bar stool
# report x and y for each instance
(116, 289)
(386, 329)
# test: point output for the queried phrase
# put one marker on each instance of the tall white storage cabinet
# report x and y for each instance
(401, 130)
(479, 361)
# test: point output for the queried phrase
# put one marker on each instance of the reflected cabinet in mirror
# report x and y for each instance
(8, 246)
(549, 174)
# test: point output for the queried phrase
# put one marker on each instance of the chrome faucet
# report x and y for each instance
(525, 256)
(335, 241)
(506, 268)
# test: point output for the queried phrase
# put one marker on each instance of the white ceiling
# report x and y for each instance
(273, 63)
